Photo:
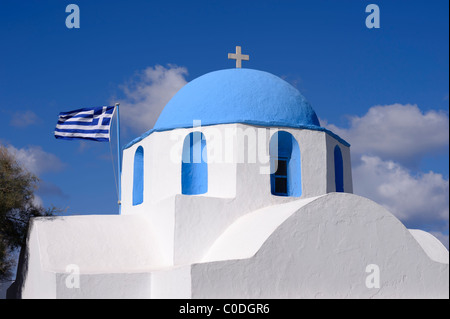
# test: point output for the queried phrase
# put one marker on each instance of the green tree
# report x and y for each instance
(17, 187)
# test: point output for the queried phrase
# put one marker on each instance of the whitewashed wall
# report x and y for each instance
(319, 249)
(228, 175)
(187, 225)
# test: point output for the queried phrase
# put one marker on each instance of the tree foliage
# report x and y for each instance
(17, 206)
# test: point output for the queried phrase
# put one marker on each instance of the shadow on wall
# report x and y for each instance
(13, 288)
(4, 285)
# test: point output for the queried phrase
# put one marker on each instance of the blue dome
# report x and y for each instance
(238, 96)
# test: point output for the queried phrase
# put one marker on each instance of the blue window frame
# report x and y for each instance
(338, 170)
(138, 176)
(194, 166)
(285, 179)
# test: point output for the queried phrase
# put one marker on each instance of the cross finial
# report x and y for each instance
(238, 57)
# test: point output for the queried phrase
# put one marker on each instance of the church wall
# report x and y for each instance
(331, 143)
(172, 283)
(106, 286)
(323, 250)
(162, 166)
(200, 220)
(255, 178)
(37, 283)
(162, 177)
(348, 177)
(313, 152)
(238, 162)
(238, 182)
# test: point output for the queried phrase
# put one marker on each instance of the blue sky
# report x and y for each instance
(384, 90)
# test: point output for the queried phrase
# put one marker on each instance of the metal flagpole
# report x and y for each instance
(119, 159)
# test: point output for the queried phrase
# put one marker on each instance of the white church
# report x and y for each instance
(236, 192)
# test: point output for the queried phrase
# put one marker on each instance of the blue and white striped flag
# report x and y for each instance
(90, 123)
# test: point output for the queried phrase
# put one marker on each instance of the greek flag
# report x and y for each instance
(90, 123)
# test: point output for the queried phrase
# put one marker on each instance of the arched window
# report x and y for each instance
(194, 167)
(286, 176)
(138, 176)
(338, 170)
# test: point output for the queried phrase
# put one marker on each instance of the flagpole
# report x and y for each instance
(119, 160)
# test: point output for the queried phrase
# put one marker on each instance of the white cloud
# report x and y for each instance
(23, 119)
(402, 133)
(385, 144)
(36, 160)
(420, 201)
(414, 199)
(148, 93)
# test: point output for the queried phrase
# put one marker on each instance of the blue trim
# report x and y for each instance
(255, 123)
(338, 169)
(138, 176)
(194, 167)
